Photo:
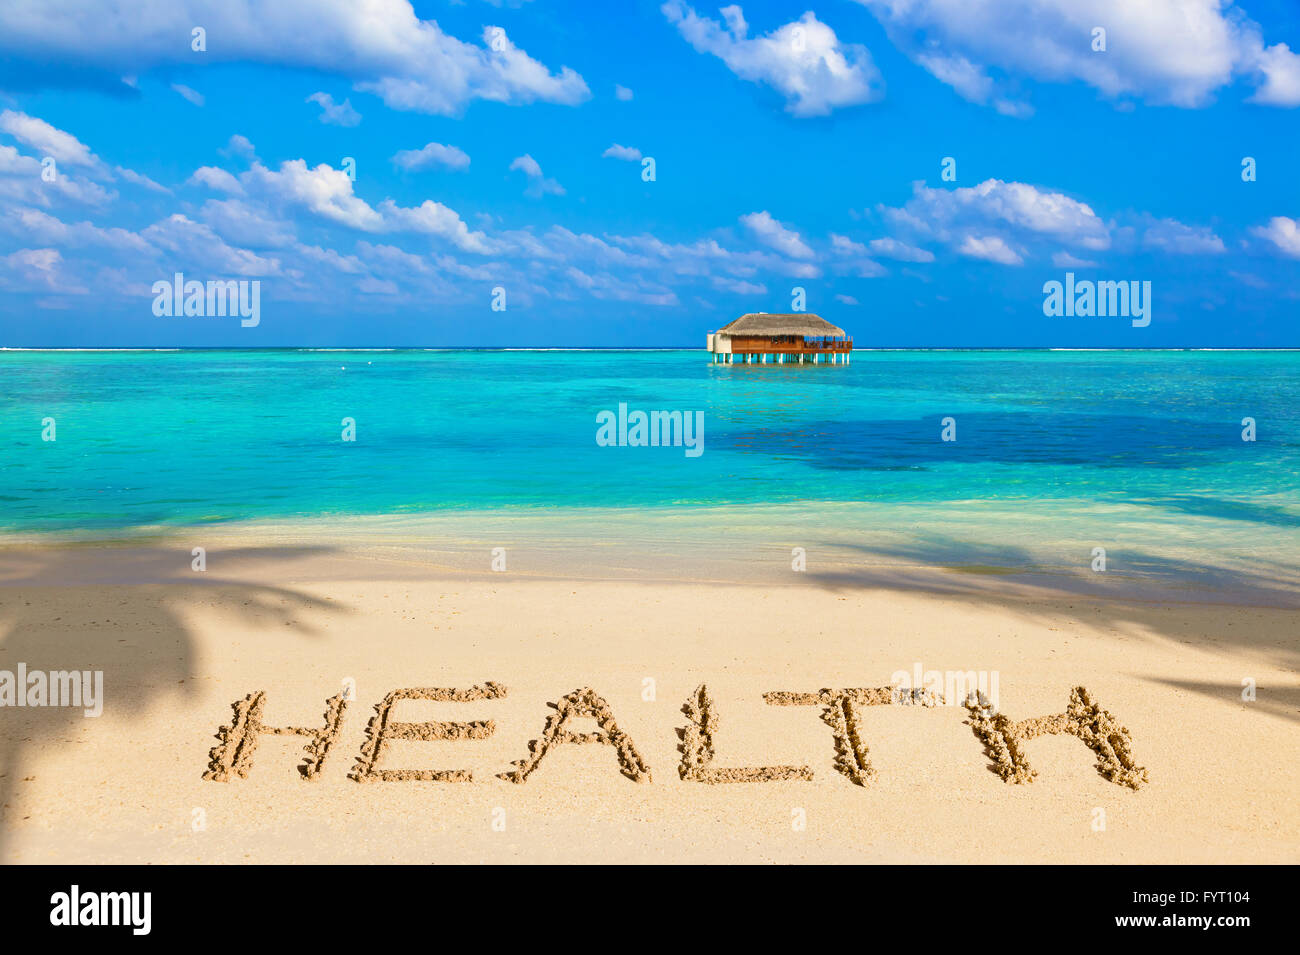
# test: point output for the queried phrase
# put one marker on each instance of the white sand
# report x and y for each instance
(178, 648)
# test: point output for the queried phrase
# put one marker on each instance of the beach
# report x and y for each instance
(178, 648)
(323, 648)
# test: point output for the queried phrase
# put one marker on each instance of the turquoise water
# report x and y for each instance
(184, 438)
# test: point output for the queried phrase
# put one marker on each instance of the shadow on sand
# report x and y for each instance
(51, 620)
(1139, 593)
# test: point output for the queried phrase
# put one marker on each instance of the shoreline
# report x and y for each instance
(960, 547)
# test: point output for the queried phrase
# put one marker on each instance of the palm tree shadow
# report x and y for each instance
(67, 609)
(1280, 701)
(986, 574)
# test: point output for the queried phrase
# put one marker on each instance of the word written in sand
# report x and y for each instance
(841, 710)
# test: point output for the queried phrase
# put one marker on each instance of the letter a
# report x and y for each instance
(580, 703)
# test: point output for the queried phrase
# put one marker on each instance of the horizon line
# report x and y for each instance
(593, 348)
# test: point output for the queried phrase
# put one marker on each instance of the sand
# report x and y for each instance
(417, 712)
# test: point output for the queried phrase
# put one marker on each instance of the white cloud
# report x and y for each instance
(452, 73)
(843, 245)
(328, 193)
(603, 285)
(1281, 70)
(970, 81)
(239, 146)
(251, 228)
(538, 185)
(391, 258)
(196, 247)
(332, 260)
(21, 181)
(432, 154)
(40, 261)
(527, 164)
(894, 249)
(846, 300)
(373, 286)
(1064, 260)
(139, 179)
(1246, 278)
(961, 74)
(995, 220)
(1284, 233)
(776, 236)
(215, 178)
(738, 286)
(622, 93)
(853, 258)
(435, 219)
(37, 270)
(990, 248)
(952, 215)
(323, 190)
(560, 244)
(1170, 235)
(66, 150)
(804, 60)
(14, 163)
(864, 269)
(49, 141)
(702, 258)
(628, 153)
(1175, 52)
(245, 224)
(37, 226)
(335, 114)
(382, 46)
(194, 96)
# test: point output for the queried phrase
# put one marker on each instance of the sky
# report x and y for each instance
(638, 173)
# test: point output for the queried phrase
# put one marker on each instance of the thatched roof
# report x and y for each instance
(769, 324)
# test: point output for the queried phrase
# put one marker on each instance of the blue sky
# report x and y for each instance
(795, 145)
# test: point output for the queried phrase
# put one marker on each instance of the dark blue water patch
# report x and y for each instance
(1080, 440)
(1200, 506)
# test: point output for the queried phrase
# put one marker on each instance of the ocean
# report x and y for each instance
(179, 439)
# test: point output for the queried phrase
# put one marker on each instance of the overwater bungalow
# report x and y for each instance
(760, 337)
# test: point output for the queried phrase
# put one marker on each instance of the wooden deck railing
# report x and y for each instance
(786, 346)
